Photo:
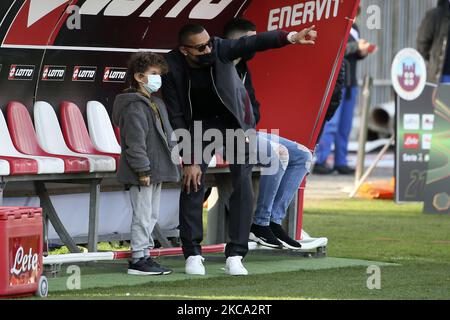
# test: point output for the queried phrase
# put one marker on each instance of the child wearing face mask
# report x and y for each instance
(145, 161)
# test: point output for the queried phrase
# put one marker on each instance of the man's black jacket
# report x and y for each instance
(230, 88)
(246, 77)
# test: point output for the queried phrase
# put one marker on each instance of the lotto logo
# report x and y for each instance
(84, 73)
(112, 74)
(21, 72)
(53, 73)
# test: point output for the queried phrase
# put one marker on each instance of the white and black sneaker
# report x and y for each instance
(152, 263)
(144, 268)
(285, 240)
(264, 236)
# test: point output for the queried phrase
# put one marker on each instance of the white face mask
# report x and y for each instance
(154, 83)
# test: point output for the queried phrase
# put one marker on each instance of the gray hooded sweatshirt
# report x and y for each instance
(145, 140)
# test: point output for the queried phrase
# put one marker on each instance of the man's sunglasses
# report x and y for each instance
(200, 47)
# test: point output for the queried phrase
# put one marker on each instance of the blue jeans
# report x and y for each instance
(276, 190)
(445, 78)
(337, 131)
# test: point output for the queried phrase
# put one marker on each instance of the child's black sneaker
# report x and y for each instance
(142, 268)
(152, 263)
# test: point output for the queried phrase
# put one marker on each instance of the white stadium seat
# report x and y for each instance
(51, 139)
(100, 128)
(4, 168)
(46, 165)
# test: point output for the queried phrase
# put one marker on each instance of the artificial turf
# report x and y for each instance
(415, 246)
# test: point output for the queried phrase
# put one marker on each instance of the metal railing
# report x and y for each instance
(400, 20)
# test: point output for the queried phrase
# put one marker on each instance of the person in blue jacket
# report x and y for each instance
(337, 130)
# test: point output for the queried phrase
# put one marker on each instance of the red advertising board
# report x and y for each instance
(294, 84)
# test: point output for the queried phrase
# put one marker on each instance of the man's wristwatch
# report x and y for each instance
(290, 37)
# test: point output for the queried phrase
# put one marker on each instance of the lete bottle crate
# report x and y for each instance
(21, 247)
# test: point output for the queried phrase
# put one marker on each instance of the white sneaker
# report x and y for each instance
(194, 265)
(234, 266)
